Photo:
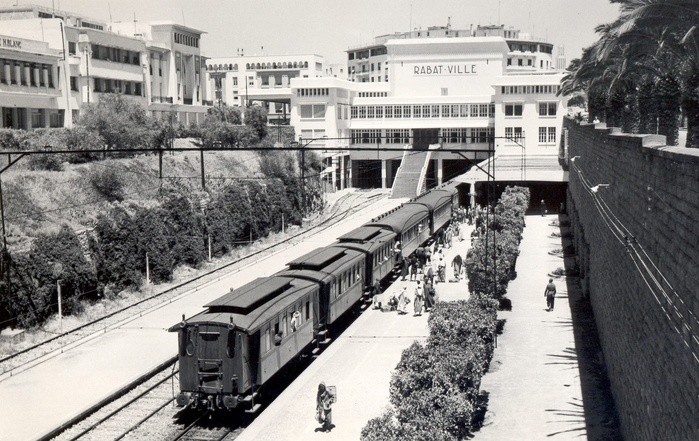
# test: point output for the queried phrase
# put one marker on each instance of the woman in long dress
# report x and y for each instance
(403, 301)
(419, 297)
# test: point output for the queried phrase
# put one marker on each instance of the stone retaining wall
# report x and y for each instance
(650, 337)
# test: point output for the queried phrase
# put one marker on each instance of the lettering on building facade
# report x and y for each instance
(445, 69)
(11, 43)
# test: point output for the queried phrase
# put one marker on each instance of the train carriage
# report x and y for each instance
(439, 203)
(378, 245)
(243, 339)
(410, 223)
(339, 272)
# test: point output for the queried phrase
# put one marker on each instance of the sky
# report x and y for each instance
(330, 27)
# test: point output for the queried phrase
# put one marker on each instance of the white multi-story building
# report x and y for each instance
(241, 80)
(158, 65)
(468, 94)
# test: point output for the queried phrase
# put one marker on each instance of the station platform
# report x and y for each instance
(534, 384)
(359, 363)
(66, 383)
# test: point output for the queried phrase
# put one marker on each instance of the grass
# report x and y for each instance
(42, 201)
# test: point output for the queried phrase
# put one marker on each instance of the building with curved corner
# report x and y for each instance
(452, 101)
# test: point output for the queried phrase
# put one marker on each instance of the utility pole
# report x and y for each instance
(203, 180)
(303, 176)
(147, 270)
(87, 69)
(60, 307)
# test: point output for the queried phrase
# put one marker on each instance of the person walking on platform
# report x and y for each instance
(324, 413)
(404, 269)
(413, 267)
(441, 270)
(403, 301)
(429, 295)
(456, 265)
(419, 298)
(376, 293)
(550, 294)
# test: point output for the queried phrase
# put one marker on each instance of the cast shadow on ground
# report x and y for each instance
(596, 413)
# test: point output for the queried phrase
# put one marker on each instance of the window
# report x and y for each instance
(370, 111)
(434, 111)
(445, 91)
(389, 111)
(518, 133)
(547, 109)
(552, 135)
(379, 111)
(513, 109)
(542, 135)
(463, 110)
(416, 111)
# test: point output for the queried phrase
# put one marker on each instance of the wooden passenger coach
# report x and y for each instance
(230, 348)
(410, 223)
(378, 245)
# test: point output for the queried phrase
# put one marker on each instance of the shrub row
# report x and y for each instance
(490, 270)
(435, 389)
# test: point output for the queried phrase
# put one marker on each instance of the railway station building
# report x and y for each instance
(489, 91)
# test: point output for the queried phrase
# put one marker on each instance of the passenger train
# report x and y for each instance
(242, 339)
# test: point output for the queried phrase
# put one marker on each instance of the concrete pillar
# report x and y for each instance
(54, 75)
(440, 172)
(45, 74)
(333, 174)
(384, 182)
(341, 159)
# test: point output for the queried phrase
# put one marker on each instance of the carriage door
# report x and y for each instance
(212, 350)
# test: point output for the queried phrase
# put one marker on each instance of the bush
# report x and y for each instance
(435, 389)
(33, 293)
(107, 182)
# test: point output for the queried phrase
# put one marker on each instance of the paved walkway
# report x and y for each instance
(535, 386)
(545, 380)
(359, 363)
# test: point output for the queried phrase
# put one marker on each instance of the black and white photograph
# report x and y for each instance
(385, 220)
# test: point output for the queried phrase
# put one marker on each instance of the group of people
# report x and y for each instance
(423, 299)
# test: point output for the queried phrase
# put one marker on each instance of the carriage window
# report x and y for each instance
(308, 310)
(285, 327)
(267, 340)
(277, 335)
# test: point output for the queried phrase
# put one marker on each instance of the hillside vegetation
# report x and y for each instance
(98, 222)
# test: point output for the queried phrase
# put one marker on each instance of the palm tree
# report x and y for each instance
(674, 54)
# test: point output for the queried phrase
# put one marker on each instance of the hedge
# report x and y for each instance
(435, 389)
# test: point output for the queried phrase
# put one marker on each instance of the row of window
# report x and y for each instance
(545, 109)
(530, 47)
(347, 280)
(108, 85)
(383, 254)
(547, 135)
(516, 90)
(373, 94)
(424, 111)
(285, 324)
(26, 74)
(403, 136)
(115, 54)
(186, 40)
(315, 91)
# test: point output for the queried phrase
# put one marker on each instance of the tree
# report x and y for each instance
(225, 113)
(121, 123)
(256, 119)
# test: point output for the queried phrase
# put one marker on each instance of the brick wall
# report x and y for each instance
(649, 338)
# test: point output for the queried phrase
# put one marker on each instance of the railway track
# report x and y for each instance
(147, 410)
(31, 356)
